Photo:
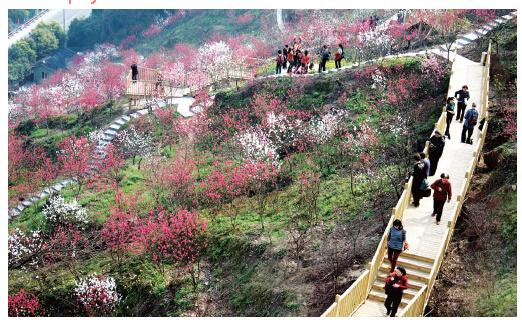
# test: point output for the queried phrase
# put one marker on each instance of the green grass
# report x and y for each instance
(198, 27)
(500, 300)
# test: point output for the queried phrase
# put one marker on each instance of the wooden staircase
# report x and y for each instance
(418, 270)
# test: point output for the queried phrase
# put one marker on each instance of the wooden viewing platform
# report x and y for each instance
(151, 83)
(427, 241)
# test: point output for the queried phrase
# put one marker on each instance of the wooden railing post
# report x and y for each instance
(337, 300)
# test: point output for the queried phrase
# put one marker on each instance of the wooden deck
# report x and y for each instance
(424, 236)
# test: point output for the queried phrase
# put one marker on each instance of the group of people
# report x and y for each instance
(424, 167)
(469, 117)
(296, 60)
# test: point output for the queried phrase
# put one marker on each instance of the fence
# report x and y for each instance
(354, 296)
(150, 82)
(343, 306)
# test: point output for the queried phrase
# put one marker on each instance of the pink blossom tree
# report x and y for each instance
(177, 238)
(74, 156)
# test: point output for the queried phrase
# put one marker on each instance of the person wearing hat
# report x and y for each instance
(441, 192)
(395, 285)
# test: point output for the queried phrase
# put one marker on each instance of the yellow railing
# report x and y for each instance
(346, 307)
(417, 305)
(354, 296)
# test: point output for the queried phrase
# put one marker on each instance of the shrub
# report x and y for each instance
(23, 304)
(56, 211)
(97, 295)
(22, 247)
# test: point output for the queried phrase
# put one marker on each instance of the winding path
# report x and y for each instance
(57, 15)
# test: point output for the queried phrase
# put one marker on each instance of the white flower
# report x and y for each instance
(324, 128)
(97, 293)
(57, 211)
(257, 146)
(21, 246)
(134, 143)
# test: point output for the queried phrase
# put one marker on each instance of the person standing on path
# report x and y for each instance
(441, 193)
(290, 60)
(325, 56)
(306, 60)
(450, 112)
(470, 120)
(285, 55)
(134, 71)
(419, 175)
(396, 243)
(462, 98)
(426, 162)
(435, 150)
(279, 61)
(395, 285)
(339, 55)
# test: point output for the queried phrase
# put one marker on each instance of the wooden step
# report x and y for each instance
(408, 293)
(417, 257)
(380, 296)
(411, 273)
(410, 263)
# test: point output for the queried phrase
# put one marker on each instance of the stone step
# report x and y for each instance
(108, 137)
(462, 41)
(125, 118)
(27, 203)
(110, 132)
(115, 126)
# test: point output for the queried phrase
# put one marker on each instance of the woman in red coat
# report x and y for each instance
(441, 192)
(395, 285)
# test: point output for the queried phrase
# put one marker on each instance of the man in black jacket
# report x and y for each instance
(462, 97)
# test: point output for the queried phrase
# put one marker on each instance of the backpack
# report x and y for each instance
(473, 119)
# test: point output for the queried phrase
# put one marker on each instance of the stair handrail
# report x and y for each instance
(416, 304)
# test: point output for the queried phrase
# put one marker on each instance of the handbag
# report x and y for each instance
(425, 185)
